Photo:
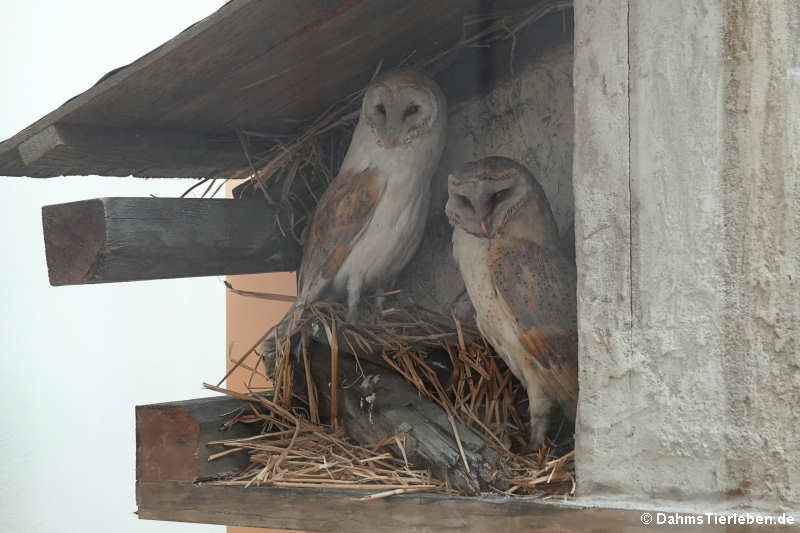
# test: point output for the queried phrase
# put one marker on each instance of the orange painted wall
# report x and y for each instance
(247, 319)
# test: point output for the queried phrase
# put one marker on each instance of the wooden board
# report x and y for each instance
(340, 511)
(127, 239)
(253, 64)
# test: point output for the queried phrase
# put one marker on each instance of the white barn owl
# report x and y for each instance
(505, 242)
(371, 219)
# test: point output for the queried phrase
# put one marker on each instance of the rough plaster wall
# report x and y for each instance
(527, 117)
(760, 194)
(607, 375)
(675, 89)
(690, 109)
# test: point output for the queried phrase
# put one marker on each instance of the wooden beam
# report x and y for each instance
(128, 239)
(84, 150)
(171, 439)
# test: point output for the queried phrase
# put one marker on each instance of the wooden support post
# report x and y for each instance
(83, 150)
(127, 239)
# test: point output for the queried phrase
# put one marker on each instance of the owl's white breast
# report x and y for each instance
(397, 226)
(493, 319)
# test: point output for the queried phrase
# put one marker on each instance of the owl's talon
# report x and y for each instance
(379, 301)
(352, 316)
(363, 313)
(538, 433)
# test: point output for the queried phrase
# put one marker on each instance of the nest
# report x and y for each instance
(293, 452)
(295, 447)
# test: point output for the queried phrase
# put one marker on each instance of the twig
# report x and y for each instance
(262, 295)
(193, 187)
(458, 439)
(386, 494)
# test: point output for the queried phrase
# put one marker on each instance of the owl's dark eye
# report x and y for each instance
(499, 196)
(380, 109)
(465, 201)
(410, 110)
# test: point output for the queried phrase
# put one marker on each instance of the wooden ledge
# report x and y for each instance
(338, 510)
(171, 456)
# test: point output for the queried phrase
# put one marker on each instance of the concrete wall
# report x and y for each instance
(527, 117)
(687, 201)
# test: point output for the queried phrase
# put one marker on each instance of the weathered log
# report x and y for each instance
(127, 239)
(381, 404)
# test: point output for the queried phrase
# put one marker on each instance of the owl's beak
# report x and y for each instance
(484, 228)
(391, 141)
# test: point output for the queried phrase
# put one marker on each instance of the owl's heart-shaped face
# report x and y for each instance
(482, 206)
(400, 110)
(482, 198)
(487, 196)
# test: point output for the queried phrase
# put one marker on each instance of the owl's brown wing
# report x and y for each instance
(537, 287)
(342, 213)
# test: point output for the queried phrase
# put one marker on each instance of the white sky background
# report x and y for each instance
(74, 361)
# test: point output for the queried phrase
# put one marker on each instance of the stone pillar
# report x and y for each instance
(687, 202)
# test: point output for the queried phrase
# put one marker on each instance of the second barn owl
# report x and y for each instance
(371, 219)
(505, 242)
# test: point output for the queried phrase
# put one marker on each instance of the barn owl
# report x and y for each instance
(370, 220)
(506, 244)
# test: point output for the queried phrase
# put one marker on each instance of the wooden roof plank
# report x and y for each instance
(84, 150)
(258, 64)
(11, 163)
(317, 66)
(193, 67)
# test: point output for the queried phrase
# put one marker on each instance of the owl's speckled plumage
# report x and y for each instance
(505, 242)
(371, 219)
